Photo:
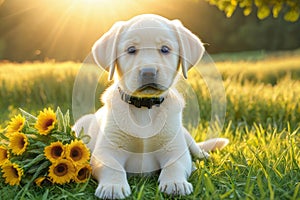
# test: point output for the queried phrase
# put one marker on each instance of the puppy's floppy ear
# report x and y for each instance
(190, 47)
(105, 49)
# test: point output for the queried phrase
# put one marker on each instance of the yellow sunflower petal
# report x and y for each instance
(12, 173)
(16, 124)
(61, 171)
(54, 151)
(77, 152)
(45, 121)
(18, 143)
(43, 180)
(4, 155)
(83, 172)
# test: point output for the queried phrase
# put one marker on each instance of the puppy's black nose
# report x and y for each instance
(148, 75)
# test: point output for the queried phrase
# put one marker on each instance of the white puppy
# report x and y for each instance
(139, 129)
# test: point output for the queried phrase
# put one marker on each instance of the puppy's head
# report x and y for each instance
(147, 52)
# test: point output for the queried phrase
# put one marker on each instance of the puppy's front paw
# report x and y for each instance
(176, 188)
(113, 191)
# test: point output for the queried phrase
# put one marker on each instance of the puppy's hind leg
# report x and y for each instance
(200, 149)
(194, 148)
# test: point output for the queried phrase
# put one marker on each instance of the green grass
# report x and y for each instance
(262, 122)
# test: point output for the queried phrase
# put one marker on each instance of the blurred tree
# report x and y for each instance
(290, 8)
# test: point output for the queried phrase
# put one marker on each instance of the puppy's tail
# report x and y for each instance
(200, 149)
(213, 144)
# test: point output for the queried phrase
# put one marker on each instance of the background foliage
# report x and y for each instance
(290, 8)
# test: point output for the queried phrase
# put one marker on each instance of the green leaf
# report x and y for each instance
(45, 195)
(227, 194)
(263, 12)
(2, 136)
(296, 191)
(208, 184)
(81, 133)
(41, 167)
(60, 120)
(141, 191)
(32, 169)
(271, 190)
(62, 137)
(35, 160)
(23, 191)
(34, 151)
(86, 139)
(82, 136)
(260, 185)
(30, 118)
(67, 119)
(38, 144)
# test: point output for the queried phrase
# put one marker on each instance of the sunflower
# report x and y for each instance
(61, 171)
(4, 155)
(18, 143)
(42, 181)
(12, 173)
(82, 173)
(77, 152)
(54, 151)
(16, 124)
(45, 121)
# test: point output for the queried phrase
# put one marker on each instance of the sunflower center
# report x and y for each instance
(18, 126)
(61, 169)
(56, 151)
(3, 154)
(83, 174)
(21, 143)
(76, 154)
(48, 123)
(14, 172)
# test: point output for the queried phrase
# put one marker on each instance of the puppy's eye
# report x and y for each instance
(131, 50)
(165, 49)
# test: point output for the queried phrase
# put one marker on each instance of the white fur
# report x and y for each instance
(126, 139)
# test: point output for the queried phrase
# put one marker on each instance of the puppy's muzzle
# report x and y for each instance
(148, 76)
(148, 80)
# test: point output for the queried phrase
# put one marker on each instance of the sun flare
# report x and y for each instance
(89, 2)
(77, 24)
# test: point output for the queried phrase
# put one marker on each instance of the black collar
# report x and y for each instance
(140, 101)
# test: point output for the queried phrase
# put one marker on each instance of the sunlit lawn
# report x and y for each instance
(262, 122)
